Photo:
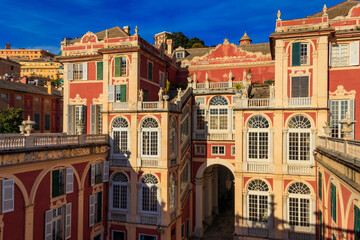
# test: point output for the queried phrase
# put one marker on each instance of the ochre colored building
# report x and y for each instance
(43, 68)
(24, 53)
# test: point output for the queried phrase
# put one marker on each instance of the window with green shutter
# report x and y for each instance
(55, 183)
(98, 207)
(356, 223)
(296, 54)
(123, 95)
(99, 71)
(150, 71)
(320, 186)
(333, 202)
(117, 66)
(37, 121)
(145, 94)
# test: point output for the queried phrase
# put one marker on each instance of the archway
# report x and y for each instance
(214, 199)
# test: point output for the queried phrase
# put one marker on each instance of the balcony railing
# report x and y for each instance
(299, 102)
(349, 148)
(254, 103)
(17, 141)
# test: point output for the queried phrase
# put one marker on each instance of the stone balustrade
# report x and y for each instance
(350, 148)
(17, 141)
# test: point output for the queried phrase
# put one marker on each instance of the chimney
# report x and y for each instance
(170, 46)
(7, 46)
(126, 29)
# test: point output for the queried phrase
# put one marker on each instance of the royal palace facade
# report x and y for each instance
(237, 130)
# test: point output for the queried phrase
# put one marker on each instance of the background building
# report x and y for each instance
(9, 69)
(42, 68)
(24, 53)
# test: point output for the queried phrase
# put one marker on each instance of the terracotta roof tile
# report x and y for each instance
(342, 9)
(27, 88)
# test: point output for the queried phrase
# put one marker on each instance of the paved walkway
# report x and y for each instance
(222, 227)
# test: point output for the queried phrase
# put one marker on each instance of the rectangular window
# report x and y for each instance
(19, 97)
(299, 146)
(47, 122)
(340, 55)
(333, 201)
(299, 87)
(118, 235)
(37, 121)
(120, 93)
(62, 181)
(184, 177)
(78, 71)
(146, 93)
(147, 237)
(99, 71)
(179, 55)
(338, 110)
(150, 71)
(299, 54)
(232, 150)
(5, 95)
(7, 195)
(200, 119)
(99, 173)
(199, 149)
(182, 230)
(58, 223)
(258, 145)
(218, 119)
(187, 228)
(95, 208)
(218, 150)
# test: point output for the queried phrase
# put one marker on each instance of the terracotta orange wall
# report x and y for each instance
(260, 74)
(350, 80)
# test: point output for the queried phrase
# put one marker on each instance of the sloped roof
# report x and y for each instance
(245, 37)
(264, 48)
(27, 88)
(114, 32)
(342, 9)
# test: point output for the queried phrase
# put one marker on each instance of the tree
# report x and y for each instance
(197, 45)
(10, 119)
(195, 40)
(181, 40)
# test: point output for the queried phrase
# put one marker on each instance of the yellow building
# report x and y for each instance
(25, 53)
(42, 68)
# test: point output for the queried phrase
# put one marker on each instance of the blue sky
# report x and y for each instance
(43, 24)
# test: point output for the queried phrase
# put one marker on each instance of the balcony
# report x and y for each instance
(17, 141)
(299, 102)
(254, 103)
(346, 148)
(210, 87)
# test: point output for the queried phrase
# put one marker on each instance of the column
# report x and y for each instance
(215, 190)
(80, 214)
(29, 220)
(106, 83)
(209, 196)
(198, 231)
(239, 214)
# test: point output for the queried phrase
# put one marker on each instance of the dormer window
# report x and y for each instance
(180, 55)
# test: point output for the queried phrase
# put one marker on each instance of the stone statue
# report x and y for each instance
(244, 93)
(160, 94)
(206, 76)
(179, 94)
(230, 76)
(106, 34)
(272, 91)
(244, 76)
(278, 15)
(141, 95)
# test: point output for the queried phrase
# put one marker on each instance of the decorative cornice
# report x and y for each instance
(77, 100)
(99, 100)
(341, 93)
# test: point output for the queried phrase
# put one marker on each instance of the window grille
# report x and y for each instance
(299, 205)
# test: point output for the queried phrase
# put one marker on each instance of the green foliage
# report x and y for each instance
(270, 82)
(58, 81)
(197, 45)
(238, 86)
(10, 119)
(80, 123)
(181, 40)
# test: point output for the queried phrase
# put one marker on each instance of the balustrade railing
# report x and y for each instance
(349, 148)
(16, 141)
(299, 102)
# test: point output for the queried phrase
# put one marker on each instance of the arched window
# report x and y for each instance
(149, 194)
(149, 138)
(172, 192)
(120, 137)
(258, 201)
(258, 138)
(119, 191)
(299, 138)
(172, 139)
(218, 113)
(299, 205)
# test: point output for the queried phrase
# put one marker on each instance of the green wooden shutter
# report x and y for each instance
(150, 71)
(296, 54)
(333, 202)
(320, 185)
(99, 70)
(55, 183)
(145, 95)
(356, 223)
(99, 206)
(123, 93)
(117, 66)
